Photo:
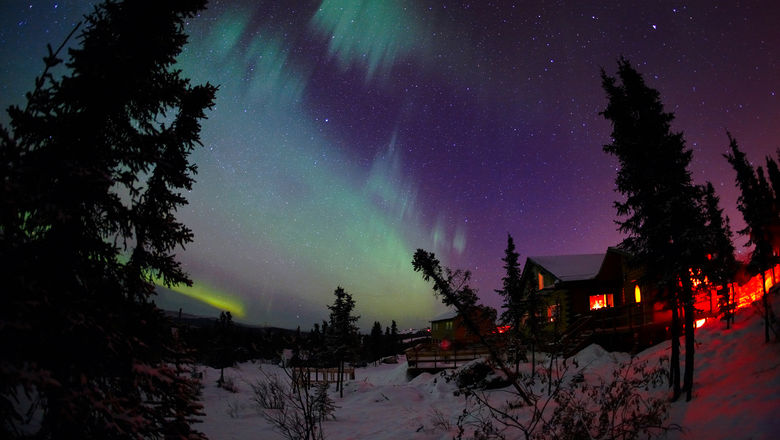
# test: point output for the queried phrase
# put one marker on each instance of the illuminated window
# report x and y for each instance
(448, 325)
(637, 294)
(601, 301)
(552, 313)
(541, 282)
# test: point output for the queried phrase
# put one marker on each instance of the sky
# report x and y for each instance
(348, 133)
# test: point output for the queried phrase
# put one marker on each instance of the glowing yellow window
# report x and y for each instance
(637, 294)
(552, 313)
(601, 301)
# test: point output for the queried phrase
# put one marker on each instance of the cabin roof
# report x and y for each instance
(571, 267)
(444, 316)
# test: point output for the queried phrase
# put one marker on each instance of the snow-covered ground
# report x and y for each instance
(736, 393)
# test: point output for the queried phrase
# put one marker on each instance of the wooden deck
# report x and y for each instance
(312, 375)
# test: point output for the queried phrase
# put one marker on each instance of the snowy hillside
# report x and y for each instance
(736, 394)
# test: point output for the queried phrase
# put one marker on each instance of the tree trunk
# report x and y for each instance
(674, 363)
(516, 341)
(341, 379)
(733, 303)
(728, 305)
(765, 300)
(689, 346)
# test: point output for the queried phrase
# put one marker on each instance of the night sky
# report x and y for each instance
(348, 133)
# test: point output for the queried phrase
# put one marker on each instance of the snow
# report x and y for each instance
(736, 383)
(736, 393)
(571, 267)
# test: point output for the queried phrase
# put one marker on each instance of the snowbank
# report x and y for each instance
(736, 393)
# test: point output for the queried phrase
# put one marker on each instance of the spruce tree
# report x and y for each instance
(760, 212)
(452, 286)
(721, 266)
(773, 173)
(661, 212)
(93, 170)
(376, 342)
(224, 345)
(343, 331)
(314, 344)
(510, 291)
(512, 294)
(393, 343)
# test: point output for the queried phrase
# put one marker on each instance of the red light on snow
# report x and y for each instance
(445, 344)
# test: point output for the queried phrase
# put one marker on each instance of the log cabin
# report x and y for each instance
(598, 296)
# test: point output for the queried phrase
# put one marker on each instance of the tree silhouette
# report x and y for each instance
(376, 342)
(773, 173)
(224, 345)
(512, 294)
(343, 330)
(93, 171)
(453, 289)
(757, 204)
(661, 212)
(393, 342)
(721, 265)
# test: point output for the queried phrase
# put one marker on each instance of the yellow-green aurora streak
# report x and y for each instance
(213, 297)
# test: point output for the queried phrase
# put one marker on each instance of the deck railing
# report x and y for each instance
(430, 356)
(312, 375)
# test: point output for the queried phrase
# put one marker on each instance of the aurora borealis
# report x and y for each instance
(348, 133)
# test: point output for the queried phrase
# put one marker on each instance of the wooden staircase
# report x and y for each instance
(577, 336)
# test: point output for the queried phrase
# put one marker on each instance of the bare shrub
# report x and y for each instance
(440, 420)
(233, 408)
(293, 407)
(269, 393)
(632, 403)
(627, 406)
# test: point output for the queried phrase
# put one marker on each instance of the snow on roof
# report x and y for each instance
(449, 314)
(571, 267)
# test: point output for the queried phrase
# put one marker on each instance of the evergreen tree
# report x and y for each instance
(721, 265)
(343, 330)
(314, 343)
(453, 289)
(388, 339)
(661, 212)
(376, 342)
(393, 343)
(510, 290)
(224, 345)
(93, 170)
(512, 294)
(756, 203)
(773, 173)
